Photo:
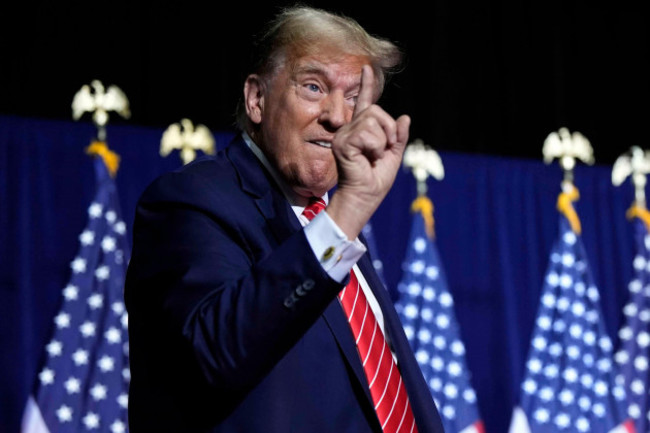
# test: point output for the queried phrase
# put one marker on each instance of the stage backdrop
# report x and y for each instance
(495, 222)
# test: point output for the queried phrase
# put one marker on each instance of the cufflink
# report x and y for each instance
(329, 252)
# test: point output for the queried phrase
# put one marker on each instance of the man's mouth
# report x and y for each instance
(326, 144)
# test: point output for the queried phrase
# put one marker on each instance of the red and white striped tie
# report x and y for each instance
(385, 381)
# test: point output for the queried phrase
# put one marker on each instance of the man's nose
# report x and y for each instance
(334, 111)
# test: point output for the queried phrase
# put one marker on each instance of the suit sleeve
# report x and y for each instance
(213, 289)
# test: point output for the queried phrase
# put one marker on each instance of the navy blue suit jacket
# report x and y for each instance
(233, 324)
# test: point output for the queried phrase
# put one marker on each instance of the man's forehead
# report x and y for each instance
(331, 66)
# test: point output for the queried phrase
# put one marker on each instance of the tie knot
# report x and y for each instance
(316, 204)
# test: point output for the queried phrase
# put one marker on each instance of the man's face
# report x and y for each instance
(299, 111)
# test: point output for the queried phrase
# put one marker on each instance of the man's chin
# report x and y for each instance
(314, 189)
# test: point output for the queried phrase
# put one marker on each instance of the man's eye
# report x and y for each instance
(313, 87)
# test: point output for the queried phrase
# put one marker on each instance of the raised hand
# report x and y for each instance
(368, 153)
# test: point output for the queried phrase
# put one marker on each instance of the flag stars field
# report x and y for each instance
(425, 307)
(83, 384)
(569, 375)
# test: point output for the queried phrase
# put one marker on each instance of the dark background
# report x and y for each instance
(480, 77)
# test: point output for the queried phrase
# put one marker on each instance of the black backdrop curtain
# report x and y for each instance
(495, 221)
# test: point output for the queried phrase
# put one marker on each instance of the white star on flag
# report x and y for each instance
(91, 420)
(80, 357)
(62, 320)
(46, 376)
(95, 210)
(78, 265)
(70, 293)
(87, 329)
(108, 244)
(64, 413)
(87, 238)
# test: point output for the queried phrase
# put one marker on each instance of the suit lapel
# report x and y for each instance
(257, 182)
(338, 324)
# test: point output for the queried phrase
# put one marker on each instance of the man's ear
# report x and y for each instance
(254, 98)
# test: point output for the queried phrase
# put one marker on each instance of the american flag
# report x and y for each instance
(569, 384)
(632, 356)
(83, 383)
(426, 309)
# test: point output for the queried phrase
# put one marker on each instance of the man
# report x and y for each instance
(235, 318)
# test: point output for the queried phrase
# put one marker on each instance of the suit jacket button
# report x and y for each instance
(308, 284)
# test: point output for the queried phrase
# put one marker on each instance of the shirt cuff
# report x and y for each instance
(334, 251)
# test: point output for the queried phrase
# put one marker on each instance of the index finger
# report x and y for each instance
(366, 90)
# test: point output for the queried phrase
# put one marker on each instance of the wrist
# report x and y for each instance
(350, 212)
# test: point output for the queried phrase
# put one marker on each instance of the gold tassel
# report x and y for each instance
(636, 211)
(565, 207)
(423, 205)
(110, 158)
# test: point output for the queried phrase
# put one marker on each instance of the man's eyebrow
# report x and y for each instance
(310, 68)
